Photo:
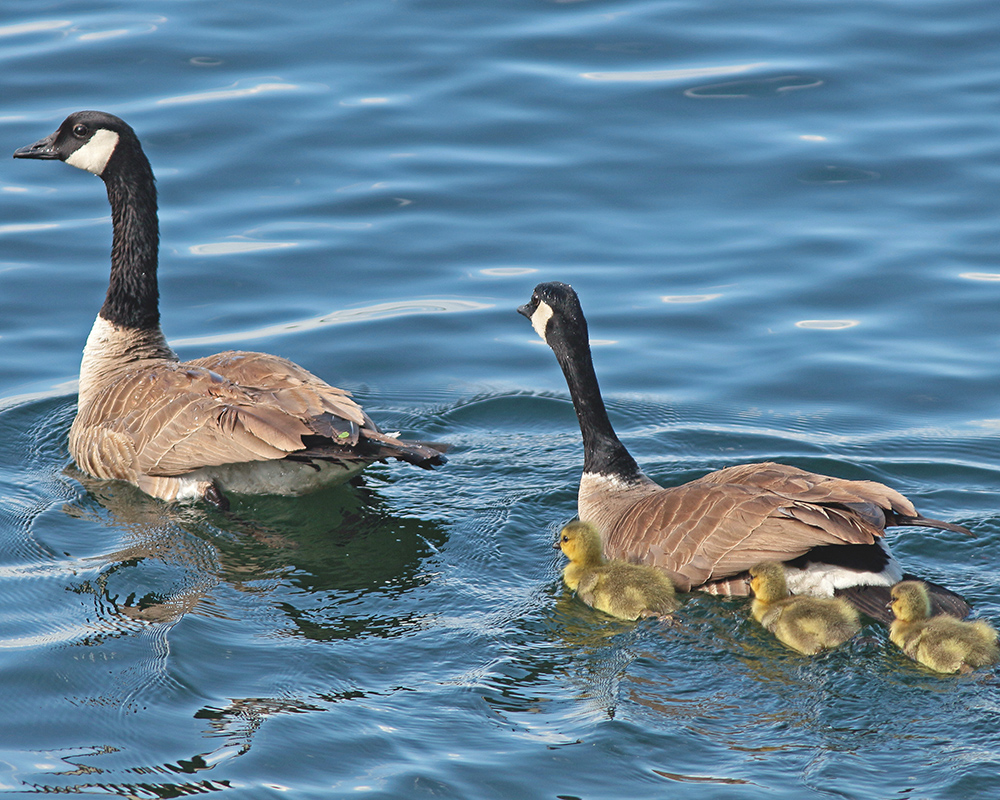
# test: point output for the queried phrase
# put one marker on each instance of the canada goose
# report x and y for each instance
(707, 533)
(626, 591)
(236, 421)
(806, 624)
(943, 643)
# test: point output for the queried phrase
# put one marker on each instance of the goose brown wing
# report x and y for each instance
(875, 502)
(722, 524)
(867, 498)
(290, 387)
(173, 418)
(329, 412)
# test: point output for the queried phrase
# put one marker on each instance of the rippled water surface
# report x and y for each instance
(781, 218)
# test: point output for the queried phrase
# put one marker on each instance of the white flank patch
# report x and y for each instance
(540, 319)
(94, 155)
(822, 580)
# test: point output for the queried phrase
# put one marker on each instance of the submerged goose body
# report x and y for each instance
(807, 624)
(943, 643)
(626, 591)
(707, 533)
(237, 421)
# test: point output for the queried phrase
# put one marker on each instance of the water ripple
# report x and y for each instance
(232, 92)
(671, 74)
(399, 308)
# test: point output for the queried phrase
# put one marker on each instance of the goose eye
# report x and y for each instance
(80, 130)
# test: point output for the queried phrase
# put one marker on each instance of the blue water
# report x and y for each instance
(781, 218)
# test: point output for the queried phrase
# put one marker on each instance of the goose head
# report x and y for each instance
(90, 140)
(767, 581)
(555, 313)
(910, 601)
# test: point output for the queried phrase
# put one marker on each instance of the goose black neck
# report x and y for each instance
(133, 295)
(603, 452)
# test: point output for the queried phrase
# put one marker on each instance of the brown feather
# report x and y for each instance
(727, 521)
(162, 418)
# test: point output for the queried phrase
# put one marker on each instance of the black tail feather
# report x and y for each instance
(374, 446)
(426, 455)
(926, 522)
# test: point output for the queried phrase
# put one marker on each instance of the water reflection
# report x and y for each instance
(33, 27)
(229, 248)
(672, 74)
(399, 308)
(231, 92)
(980, 276)
(84, 777)
(831, 173)
(314, 558)
(689, 298)
(827, 324)
(759, 87)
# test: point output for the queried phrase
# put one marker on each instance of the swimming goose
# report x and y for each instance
(236, 421)
(707, 533)
(807, 624)
(626, 591)
(943, 643)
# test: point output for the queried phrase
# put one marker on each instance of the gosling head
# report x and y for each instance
(552, 306)
(910, 601)
(580, 542)
(87, 140)
(767, 580)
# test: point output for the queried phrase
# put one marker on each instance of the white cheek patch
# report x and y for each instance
(540, 319)
(94, 155)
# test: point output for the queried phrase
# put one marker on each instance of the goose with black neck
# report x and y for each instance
(706, 534)
(233, 422)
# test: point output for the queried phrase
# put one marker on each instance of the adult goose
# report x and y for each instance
(236, 421)
(707, 533)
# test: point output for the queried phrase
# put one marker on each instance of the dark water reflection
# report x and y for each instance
(332, 548)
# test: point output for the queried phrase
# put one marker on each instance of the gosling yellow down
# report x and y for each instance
(626, 591)
(943, 643)
(806, 624)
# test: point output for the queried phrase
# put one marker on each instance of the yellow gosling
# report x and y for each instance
(807, 624)
(943, 643)
(626, 591)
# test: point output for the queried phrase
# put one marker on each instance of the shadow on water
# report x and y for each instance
(115, 602)
(343, 542)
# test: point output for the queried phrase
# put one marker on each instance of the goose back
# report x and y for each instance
(722, 523)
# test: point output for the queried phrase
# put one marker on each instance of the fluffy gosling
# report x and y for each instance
(626, 591)
(806, 624)
(943, 643)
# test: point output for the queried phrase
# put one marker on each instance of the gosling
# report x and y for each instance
(807, 624)
(943, 643)
(623, 590)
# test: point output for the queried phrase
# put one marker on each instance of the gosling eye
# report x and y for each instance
(80, 130)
